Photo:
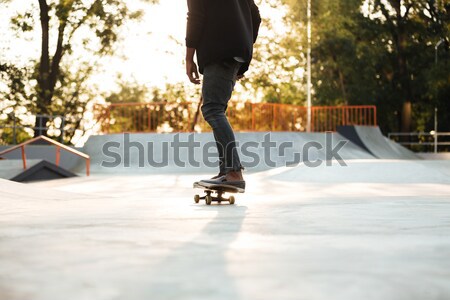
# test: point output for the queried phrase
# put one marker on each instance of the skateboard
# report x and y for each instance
(217, 189)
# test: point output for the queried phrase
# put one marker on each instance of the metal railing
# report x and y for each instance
(327, 118)
(58, 146)
(40, 127)
(421, 140)
(244, 116)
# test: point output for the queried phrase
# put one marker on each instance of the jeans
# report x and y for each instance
(218, 84)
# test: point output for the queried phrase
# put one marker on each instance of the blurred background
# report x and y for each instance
(73, 68)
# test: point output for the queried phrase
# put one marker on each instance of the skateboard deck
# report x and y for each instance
(219, 190)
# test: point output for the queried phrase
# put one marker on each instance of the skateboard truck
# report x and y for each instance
(209, 198)
(218, 190)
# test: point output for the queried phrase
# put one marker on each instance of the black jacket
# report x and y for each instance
(222, 29)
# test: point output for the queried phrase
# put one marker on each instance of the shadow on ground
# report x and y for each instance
(198, 269)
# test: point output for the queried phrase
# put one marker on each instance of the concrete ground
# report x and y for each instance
(377, 229)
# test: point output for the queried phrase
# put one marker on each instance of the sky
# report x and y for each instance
(152, 56)
(153, 48)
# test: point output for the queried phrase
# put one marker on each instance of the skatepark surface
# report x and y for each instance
(374, 229)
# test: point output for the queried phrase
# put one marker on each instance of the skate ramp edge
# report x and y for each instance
(397, 172)
(131, 153)
(37, 170)
(371, 140)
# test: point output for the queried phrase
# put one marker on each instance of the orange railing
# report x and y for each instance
(58, 146)
(178, 117)
(327, 118)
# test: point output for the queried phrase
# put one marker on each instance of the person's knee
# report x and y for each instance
(211, 113)
(205, 112)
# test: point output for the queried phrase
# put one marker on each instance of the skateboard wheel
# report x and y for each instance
(197, 198)
(208, 200)
(231, 200)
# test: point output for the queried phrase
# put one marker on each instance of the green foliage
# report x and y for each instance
(15, 92)
(277, 65)
(176, 92)
(23, 22)
(7, 135)
(58, 83)
(161, 109)
(15, 97)
(382, 54)
(129, 92)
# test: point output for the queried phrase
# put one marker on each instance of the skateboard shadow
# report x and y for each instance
(198, 269)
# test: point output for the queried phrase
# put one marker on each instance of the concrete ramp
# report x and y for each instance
(372, 140)
(186, 153)
(37, 169)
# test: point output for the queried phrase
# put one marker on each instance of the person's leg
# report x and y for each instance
(218, 85)
(221, 152)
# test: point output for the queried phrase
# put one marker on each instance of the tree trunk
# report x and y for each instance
(405, 86)
(406, 117)
(343, 89)
(44, 72)
(400, 38)
(48, 68)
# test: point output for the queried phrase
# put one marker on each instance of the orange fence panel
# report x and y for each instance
(244, 116)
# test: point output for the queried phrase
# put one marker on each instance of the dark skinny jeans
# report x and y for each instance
(218, 84)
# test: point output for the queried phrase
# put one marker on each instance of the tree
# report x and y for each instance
(380, 52)
(59, 81)
(172, 107)
(15, 96)
(410, 29)
(277, 67)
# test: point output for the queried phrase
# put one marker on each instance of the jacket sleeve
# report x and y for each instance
(195, 22)
(256, 19)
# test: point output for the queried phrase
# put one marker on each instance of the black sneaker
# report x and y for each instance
(222, 180)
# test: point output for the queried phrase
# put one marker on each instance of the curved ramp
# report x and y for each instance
(196, 153)
(374, 142)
